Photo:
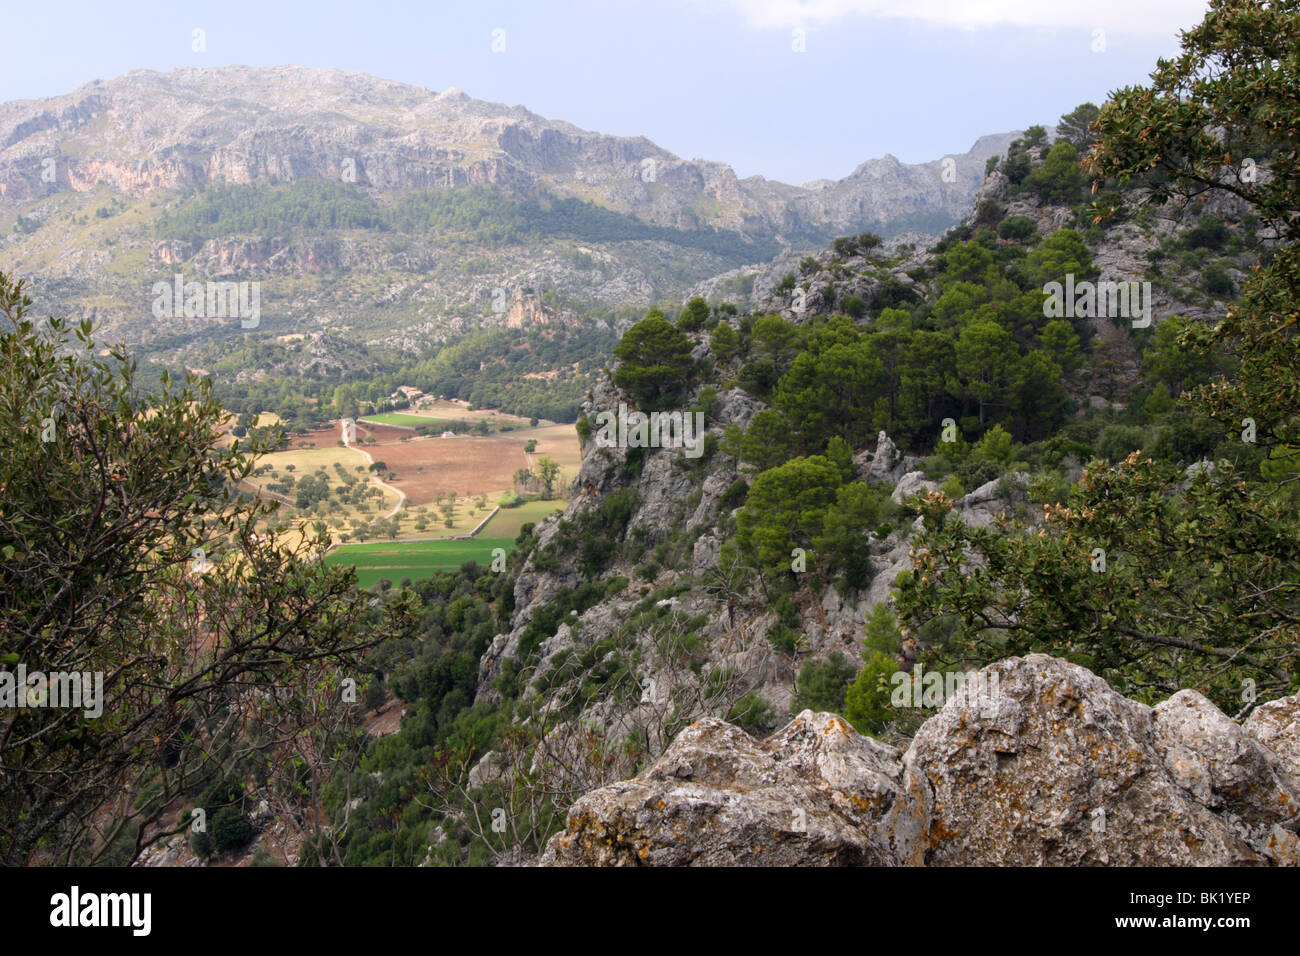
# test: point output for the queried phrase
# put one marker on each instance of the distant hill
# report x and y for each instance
(392, 214)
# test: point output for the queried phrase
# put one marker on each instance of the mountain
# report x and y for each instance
(146, 132)
(319, 182)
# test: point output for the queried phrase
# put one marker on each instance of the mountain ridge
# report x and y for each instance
(242, 124)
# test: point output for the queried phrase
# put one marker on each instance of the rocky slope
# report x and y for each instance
(1052, 768)
(1063, 770)
(147, 132)
(88, 179)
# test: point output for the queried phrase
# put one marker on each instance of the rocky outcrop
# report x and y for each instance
(1056, 768)
(913, 483)
(1034, 762)
(993, 498)
(886, 463)
(1277, 724)
(813, 794)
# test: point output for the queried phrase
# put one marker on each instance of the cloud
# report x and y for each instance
(1160, 17)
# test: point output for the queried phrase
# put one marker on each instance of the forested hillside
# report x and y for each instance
(909, 461)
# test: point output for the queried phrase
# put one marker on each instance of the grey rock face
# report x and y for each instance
(1277, 724)
(883, 460)
(1063, 771)
(1038, 762)
(913, 483)
(809, 795)
(982, 505)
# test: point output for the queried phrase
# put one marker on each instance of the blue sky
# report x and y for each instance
(712, 79)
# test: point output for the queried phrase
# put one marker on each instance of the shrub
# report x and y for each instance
(822, 684)
(936, 466)
(1059, 179)
(855, 306)
(996, 446)
(975, 472)
(262, 857)
(1048, 487)
(694, 315)
(752, 713)
(376, 693)
(734, 496)
(866, 702)
(229, 829)
(724, 342)
(1216, 281)
(1017, 228)
(1116, 442)
(1209, 233)
(784, 640)
(200, 845)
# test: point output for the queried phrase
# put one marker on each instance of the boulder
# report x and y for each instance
(1036, 762)
(1063, 771)
(812, 794)
(981, 506)
(1277, 726)
(913, 483)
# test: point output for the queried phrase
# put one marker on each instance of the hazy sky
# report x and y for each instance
(713, 79)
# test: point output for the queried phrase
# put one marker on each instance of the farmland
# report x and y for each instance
(414, 559)
(419, 559)
(394, 483)
(508, 521)
(464, 465)
(401, 418)
(460, 411)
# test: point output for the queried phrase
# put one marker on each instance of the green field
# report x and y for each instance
(401, 418)
(508, 521)
(417, 560)
(413, 559)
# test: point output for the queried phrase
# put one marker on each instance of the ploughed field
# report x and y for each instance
(421, 486)
(466, 465)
